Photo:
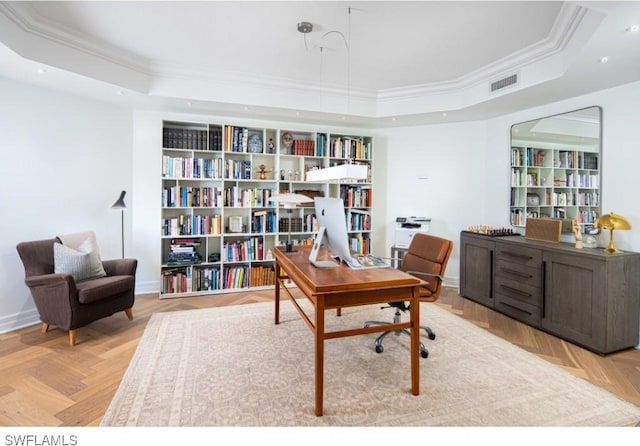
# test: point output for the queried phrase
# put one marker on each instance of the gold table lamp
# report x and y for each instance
(612, 221)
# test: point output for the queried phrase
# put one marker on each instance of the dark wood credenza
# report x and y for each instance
(585, 296)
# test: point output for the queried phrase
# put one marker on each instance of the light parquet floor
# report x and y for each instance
(45, 382)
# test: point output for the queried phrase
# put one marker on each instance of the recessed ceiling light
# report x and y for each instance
(394, 119)
(604, 59)
(344, 118)
(633, 29)
(188, 103)
(444, 113)
(42, 70)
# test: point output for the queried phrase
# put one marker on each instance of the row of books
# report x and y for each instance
(358, 221)
(564, 159)
(206, 168)
(360, 244)
(192, 225)
(187, 196)
(356, 196)
(262, 276)
(189, 279)
(249, 249)
(308, 223)
(235, 196)
(236, 277)
(192, 139)
(583, 180)
(527, 156)
(304, 147)
(263, 221)
(351, 148)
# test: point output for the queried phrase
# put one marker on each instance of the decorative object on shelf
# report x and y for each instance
(255, 144)
(612, 221)
(290, 201)
(545, 229)
(263, 171)
(577, 233)
(589, 238)
(120, 205)
(489, 230)
(533, 199)
(287, 141)
(235, 223)
(271, 147)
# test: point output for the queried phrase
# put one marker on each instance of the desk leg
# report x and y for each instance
(277, 297)
(415, 344)
(319, 339)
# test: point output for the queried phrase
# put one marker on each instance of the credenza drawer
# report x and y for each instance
(528, 275)
(518, 291)
(519, 254)
(529, 314)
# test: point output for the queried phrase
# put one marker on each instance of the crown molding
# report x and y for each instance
(33, 32)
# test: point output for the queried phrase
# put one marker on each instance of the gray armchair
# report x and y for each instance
(69, 304)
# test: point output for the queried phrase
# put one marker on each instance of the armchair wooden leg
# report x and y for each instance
(45, 327)
(73, 334)
(129, 313)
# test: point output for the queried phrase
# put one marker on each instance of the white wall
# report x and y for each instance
(64, 162)
(434, 171)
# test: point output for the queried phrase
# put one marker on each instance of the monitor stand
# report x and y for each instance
(313, 256)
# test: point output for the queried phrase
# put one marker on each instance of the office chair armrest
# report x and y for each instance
(421, 273)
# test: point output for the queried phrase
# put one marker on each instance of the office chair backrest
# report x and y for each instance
(428, 254)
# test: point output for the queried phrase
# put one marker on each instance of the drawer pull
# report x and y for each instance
(516, 291)
(517, 273)
(519, 256)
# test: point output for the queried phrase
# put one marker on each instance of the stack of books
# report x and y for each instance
(183, 252)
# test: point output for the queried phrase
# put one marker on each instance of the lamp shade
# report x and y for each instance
(611, 222)
(120, 204)
(290, 200)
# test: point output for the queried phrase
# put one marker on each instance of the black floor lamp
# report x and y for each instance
(122, 206)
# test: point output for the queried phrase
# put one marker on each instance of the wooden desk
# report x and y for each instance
(334, 288)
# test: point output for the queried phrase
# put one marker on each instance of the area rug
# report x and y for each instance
(232, 366)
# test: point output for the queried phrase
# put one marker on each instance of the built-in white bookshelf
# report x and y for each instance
(219, 226)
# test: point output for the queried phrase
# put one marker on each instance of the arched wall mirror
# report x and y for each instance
(556, 168)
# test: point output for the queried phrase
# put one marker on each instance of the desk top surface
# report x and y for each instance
(341, 278)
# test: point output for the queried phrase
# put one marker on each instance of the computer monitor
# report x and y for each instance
(331, 216)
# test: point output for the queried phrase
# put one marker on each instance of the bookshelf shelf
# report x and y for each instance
(218, 225)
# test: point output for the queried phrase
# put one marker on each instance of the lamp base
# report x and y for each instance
(611, 249)
(289, 247)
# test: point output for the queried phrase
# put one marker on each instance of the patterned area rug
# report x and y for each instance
(233, 366)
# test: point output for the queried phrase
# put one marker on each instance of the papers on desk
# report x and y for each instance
(366, 261)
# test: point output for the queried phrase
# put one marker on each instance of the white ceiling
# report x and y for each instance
(364, 64)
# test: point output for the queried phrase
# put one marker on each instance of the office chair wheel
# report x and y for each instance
(379, 348)
(424, 354)
(432, 336)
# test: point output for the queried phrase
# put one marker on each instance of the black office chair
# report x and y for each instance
(426, 258)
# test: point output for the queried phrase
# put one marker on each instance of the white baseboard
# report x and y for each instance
(19, 320)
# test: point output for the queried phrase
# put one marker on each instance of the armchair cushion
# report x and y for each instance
(82, 263)
(96, 289)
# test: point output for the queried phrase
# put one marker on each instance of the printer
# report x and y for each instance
(407, 227)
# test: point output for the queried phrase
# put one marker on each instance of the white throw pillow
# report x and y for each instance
(81, 263)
